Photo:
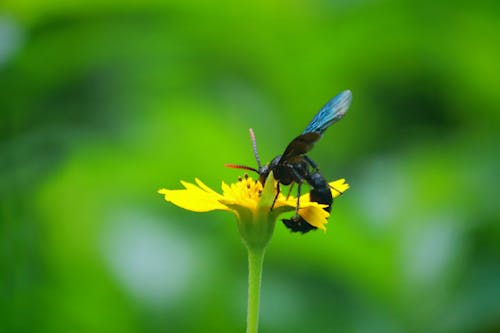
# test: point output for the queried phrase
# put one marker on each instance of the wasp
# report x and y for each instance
(295, 167)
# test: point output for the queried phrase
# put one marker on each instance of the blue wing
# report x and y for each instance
(332, 112)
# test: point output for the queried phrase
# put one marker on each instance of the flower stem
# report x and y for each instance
(255, 260)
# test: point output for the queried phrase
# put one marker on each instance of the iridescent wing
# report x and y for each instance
(332, 112)
(300, 145)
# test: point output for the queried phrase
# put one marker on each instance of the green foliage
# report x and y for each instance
(102, 103)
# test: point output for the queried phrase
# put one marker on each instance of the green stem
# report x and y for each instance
(255, 260)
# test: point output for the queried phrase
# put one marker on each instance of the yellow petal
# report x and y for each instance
(205, 187)
(226, 190)
(194, 198)
(315, 216)
(338, 187)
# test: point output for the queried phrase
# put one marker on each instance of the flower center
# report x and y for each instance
(248, 188)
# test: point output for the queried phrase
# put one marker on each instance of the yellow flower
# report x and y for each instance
(248, 199)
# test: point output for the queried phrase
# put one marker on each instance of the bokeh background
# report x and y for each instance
(104, 102)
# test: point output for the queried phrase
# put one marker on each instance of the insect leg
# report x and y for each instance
(289, 191)
(298, 200)
(277, 193)
(311, 163)
(299, 183)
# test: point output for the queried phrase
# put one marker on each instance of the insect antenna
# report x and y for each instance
(238, 166)
(254, 146)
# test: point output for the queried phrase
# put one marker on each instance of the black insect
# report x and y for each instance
(294, 166)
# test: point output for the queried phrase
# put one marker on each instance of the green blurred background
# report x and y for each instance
(104, 102)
